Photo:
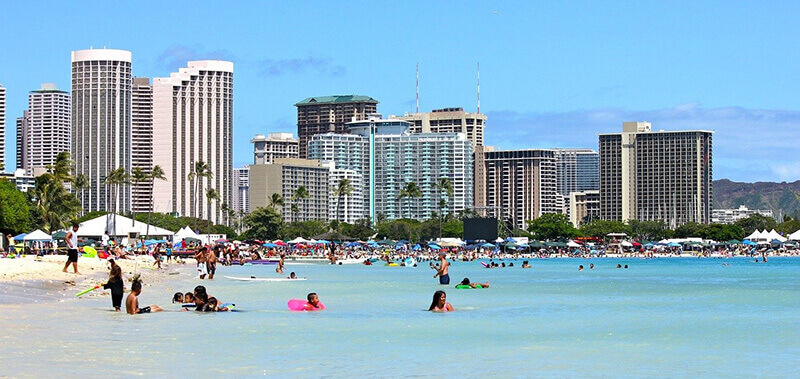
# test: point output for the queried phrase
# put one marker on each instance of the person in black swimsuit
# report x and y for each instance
(117, 286)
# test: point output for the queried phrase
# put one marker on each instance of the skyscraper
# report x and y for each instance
(2, 128)
(101, 123)
(456, 120)
(142, 141)
(663, 175)
(284, 177)
(193, 122)
(520, 185)
(388, 156)
(44, 130)
(241, 190)
(274, 145)
(329, 114)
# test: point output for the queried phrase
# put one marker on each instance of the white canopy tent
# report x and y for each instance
(298, 240)
(37, 235)
(185, 232)
(795, 236)
(773, 235)
(96, 227)
(572, 243)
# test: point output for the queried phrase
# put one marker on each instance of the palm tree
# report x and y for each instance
(410, 190)
(55, 204)
(115, 179)
(445, 187)
(276, 200)
(81, 183)
(156, 173)
(137, 176)
(211, 194)
(199, 170)
(301, 193)
(342, 189)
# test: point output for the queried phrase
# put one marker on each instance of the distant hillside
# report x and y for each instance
(780, 197)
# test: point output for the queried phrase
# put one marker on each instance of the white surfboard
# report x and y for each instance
(255, 279)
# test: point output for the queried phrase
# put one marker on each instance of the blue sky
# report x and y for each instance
(553, 74)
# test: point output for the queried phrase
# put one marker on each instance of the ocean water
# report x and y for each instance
(658, 318)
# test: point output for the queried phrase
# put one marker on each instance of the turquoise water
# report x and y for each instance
(662, 317)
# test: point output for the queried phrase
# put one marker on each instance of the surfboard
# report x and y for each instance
(255, 279)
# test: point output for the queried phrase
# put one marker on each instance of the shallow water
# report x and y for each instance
(662, 318)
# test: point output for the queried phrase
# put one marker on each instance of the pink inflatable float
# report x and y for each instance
(302, 305)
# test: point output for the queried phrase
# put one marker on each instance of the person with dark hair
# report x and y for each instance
(132, 302)
(439, 303)
(313, 302)
(466, 282)
(157, 255)
(188, 298)
(211, 261)
(443, 270)
(280, 267)
(525, 264)
(200, 257)
(116, 285)
(71, 239)
(177, 298)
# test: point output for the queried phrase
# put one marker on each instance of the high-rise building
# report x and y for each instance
(584, 207)
(241, 190)
(274, 145)
(456, 120)
(577, 170)
(193, 122)
(101, 124)
(345, 207)
(730, 216)
(388, 156)
(22, 140)
(44, 129)
(656, 175)
(520, 185)
(2, 128)
(142, 142)
(329, 114)
(284, 177)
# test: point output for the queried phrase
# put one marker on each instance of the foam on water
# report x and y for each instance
(663, 317)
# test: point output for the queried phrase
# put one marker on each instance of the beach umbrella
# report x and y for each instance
(487, 245)
(674, 244)
(59, 235)
(269, 245)
(20, 237)
(386, 242)
(749, 243)
(734, 242)
(279, 243)
(221, 240)
(323, 242)
(416, 247)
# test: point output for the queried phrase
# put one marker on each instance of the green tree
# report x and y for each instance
(361, 229)
(262, 223)
(115, 179)
(300, 194)
(81, 184)
(137, 176)
(649, 230)
(756, 221)
(788, 226)
(689, 229)
(55, 205)
(211, 194)
(343, 188)
(409, 191)
(156, 173)
(551, 226)
(305, 229)
(721, 232)
(14, 209)
(276, 201)
(601, 228)
(198, 171)
(444, 188)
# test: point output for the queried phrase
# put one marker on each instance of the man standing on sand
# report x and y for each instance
(442, 272)
(200, 257)
(72, 248)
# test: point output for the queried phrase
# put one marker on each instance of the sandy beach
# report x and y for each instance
(32, 280)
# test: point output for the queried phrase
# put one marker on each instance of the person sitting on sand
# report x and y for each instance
(439, 303)
(132, 302)
(466, 282)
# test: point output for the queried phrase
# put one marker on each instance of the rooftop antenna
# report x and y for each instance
(417, 87)
(479, 87)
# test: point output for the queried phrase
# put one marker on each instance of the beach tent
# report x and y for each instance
(20, 237)
(298, 240)
(626, 244)
(748, 242)
(185, 232)
(754, 235)
(773, 235)
(572, 243)
(38, 235)
(96, 227)
(794, 236)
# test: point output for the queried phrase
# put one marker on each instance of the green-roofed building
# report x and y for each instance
(329, 114)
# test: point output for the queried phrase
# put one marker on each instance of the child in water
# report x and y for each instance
(466, 282)
(116, 285)
(132, 302)
(313, 303)
(439, 303)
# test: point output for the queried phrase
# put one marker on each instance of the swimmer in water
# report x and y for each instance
(439, 303)
(292, 276)
(619, 265)
(580, 268)
(525, 264)
(279, 269)
(177, 298)
(591, 266)
(313, 303)
(132, 302)
(466, 282)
